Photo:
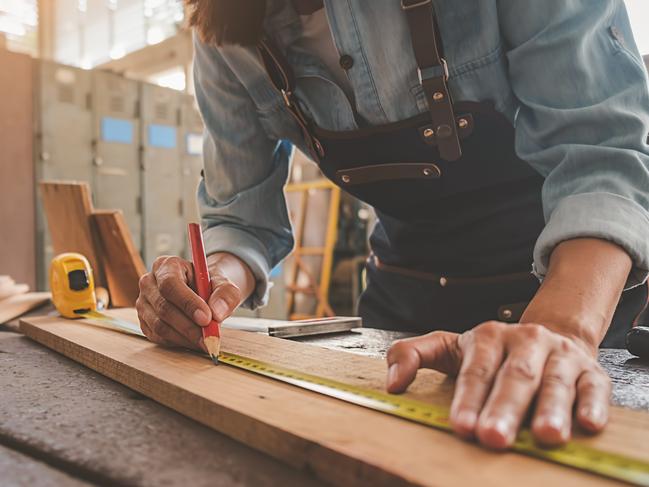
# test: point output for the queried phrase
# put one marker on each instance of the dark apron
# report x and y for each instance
(458, 211)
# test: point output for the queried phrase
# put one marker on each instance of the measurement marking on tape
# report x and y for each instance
(573, 454)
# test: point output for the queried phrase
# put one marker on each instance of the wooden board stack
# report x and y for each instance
(102, 236)
(338, 442)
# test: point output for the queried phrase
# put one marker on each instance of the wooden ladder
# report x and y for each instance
(317, 286)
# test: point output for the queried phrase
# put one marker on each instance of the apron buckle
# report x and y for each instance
(439, 71)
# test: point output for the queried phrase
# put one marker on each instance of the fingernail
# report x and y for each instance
(556, 423)
(221, 310)
(392, 374)
(502, 426)
(594, 413)
(201, 318)
(467, 419)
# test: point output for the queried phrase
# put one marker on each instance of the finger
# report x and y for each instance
(482, 359)
(161, 331)
(148, 332)
(225, 298)
(159, 261)
(172, 281)
(438, 350)
(140, 305)
(553, 414)
(144, 326)
(516, 383)
(174, 317)
(593, 393)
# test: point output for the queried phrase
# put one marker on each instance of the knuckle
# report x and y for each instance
(399, 348)
(144, 281)
(565, 345)
(594, 380)
(534, 332)
(478, 373)
(556, 380)
(519, 369)
(588, 386)
(159, 262)
(489, 329)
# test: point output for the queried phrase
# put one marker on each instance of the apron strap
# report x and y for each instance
(283, 79)
(433, 74)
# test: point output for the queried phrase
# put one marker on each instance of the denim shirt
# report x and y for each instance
(566, 73)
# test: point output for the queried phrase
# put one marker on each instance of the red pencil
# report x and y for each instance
(211, 332)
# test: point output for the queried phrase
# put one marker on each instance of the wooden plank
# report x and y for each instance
(68, 207)
(122, 262)
(338, 442)
(17, 198)
(15, 306)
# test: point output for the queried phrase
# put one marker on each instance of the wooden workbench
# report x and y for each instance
(61, 423)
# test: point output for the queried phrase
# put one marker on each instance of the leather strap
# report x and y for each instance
(282, 77)
(433, 75)
(388, 172)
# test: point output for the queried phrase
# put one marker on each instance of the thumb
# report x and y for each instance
(438, 350)
(225, 298)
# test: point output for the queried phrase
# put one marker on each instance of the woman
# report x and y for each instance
(487, 135)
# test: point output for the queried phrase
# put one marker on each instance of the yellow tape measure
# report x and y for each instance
(573, 454)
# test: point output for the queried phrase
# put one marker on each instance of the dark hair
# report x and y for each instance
(222, 22)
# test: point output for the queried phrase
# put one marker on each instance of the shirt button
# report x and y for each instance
(346, 61)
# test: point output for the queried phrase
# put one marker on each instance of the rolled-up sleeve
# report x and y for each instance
(583, 121)
(241, 199)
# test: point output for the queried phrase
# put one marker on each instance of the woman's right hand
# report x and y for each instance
(170, 311)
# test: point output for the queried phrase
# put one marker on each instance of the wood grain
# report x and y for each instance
(68, 207)
(15, 306)
(122, 262)
(17, 197)
(338, 442)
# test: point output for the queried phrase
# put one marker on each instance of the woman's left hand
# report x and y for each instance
(501, 369)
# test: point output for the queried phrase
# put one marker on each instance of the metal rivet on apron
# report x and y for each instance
(438, 96)
(428, 133)
(318, 147)
(346, 61)
(443, 281)
(507, 313)
(345, 178)
(463, 123)
(444, 131)
(428, 172)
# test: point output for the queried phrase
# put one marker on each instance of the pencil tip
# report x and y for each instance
(213, 345)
